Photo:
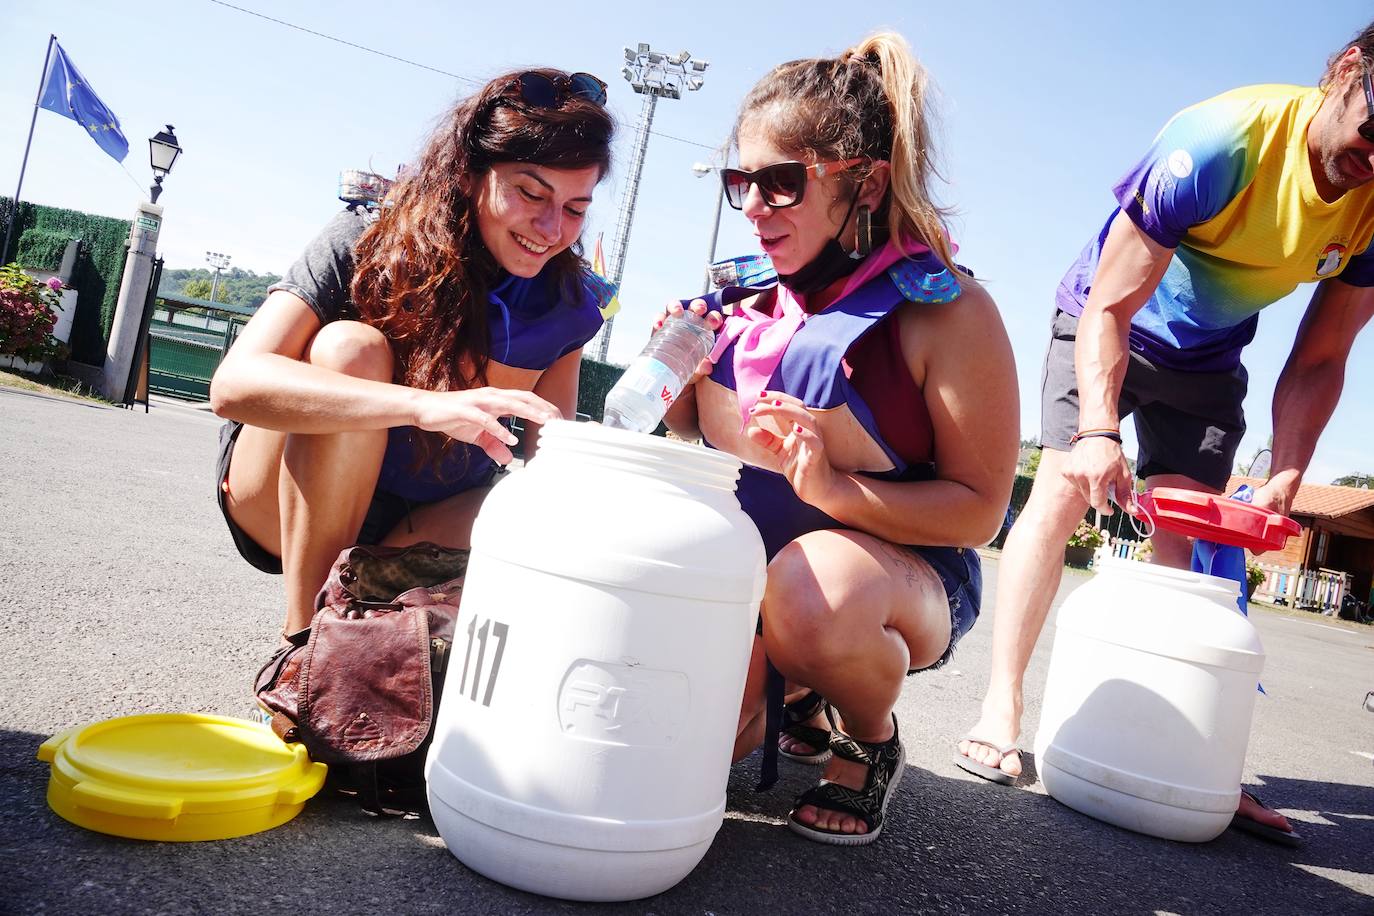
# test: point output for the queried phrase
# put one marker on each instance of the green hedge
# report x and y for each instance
(40, 249)
(596, 381)
(1020, 492)
(37, 229)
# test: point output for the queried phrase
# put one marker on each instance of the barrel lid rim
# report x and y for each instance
(1159, 571)
(1217, 518)
(656, 446)
(80, 749)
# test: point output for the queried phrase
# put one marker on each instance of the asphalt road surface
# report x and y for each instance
(123, 594)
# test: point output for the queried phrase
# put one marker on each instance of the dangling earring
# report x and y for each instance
(863, 233)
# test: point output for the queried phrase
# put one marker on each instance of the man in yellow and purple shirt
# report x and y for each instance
(1240, 199)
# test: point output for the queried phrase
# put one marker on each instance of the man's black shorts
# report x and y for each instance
(1188, 423)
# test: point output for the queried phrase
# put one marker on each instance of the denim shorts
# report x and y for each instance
(384, 513)
(961, 571)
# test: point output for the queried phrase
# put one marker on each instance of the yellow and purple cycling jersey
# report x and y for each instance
(1228, 185)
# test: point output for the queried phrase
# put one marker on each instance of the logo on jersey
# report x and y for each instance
(1180, 163)
(1330, 259)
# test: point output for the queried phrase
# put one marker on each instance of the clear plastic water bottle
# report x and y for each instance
(656, 377)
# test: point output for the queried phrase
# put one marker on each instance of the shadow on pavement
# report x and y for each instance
(955, 844)
(951, 845)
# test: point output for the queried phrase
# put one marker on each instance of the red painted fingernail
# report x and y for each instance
(796, 427)
(777, 403)
(763, 394)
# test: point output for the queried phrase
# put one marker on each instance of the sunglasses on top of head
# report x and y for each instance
(782, 184)
(544, 91)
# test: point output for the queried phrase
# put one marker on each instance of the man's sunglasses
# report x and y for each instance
(543, 91)
(782, 184)
(1367, 128)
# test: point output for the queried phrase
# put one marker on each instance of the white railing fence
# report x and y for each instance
(1123, 549)
(1310, 589)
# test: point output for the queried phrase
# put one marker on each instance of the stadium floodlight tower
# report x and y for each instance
(653, 75)
(218, 261)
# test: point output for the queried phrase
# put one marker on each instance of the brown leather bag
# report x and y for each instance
(360, 685)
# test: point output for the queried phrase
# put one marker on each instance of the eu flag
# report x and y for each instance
(66, 92)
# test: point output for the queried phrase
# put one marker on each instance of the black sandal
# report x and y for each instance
(886, 762)
(794, 719)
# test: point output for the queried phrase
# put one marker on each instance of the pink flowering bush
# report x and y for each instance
(1085, 535)
(26, 315)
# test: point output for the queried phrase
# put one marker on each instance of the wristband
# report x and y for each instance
(1111, 434)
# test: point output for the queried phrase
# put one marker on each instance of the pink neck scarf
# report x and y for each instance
(762, 339)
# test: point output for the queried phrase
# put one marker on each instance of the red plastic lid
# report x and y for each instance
(1216, 518)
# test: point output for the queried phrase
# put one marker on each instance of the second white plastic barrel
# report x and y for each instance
(1148, 701)
(583, 744)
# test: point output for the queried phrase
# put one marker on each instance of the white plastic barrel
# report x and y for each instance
(1148, 701)
(592, 693)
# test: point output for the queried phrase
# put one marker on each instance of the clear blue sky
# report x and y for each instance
(1040, 113)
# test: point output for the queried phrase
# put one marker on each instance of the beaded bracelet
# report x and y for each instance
(1112, 434)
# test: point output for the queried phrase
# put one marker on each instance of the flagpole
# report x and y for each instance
(14, 206)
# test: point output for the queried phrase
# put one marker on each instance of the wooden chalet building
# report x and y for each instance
(1333, 554)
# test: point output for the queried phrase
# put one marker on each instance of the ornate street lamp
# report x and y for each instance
(163, 151)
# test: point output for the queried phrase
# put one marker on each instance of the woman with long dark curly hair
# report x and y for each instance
(366, 395)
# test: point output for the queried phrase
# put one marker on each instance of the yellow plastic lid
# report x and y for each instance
(178, 776)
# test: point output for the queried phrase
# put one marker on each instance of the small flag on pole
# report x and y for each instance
(599, 265)
(66, 92)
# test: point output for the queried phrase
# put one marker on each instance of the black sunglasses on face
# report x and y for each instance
(544, 91)
(1366, 129)
(782, 184)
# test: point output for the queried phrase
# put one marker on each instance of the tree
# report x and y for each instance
(1363, 481)
(1258, 465)
(200, 288)
(235, 287)
(197, 289)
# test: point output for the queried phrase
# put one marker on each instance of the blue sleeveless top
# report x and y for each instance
(812, 369)
(532, 327)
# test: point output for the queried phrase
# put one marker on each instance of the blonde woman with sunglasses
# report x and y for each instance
(366, 396)
(872, 396)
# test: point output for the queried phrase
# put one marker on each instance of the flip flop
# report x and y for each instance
(982, 770)
(1290, 838)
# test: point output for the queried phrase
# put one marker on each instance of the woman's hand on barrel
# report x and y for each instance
(784, 426)
(474, 416)
(712, 319)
